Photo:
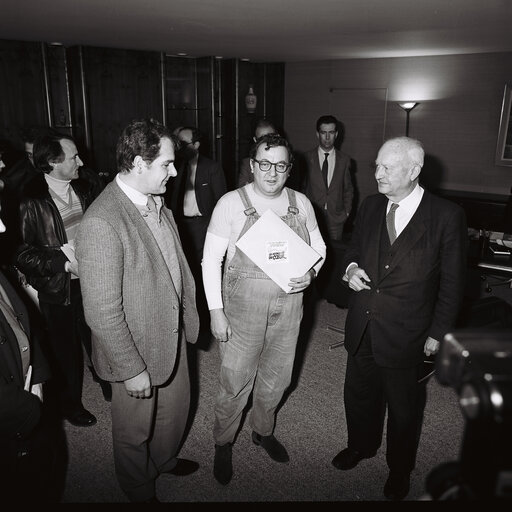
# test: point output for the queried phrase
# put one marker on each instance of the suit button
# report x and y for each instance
(24, 349)
(377, 290)
(175, 330)
(11, 377)
(3, 339)
(175, 307)
(386, 267)
(367, 312)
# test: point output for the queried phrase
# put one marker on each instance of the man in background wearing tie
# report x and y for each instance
(405, 264)
(328, 185)
(139, 301)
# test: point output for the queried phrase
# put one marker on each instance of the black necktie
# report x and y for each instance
(325, 167)
(390, 222)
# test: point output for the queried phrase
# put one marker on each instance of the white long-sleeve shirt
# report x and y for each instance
(226, 224)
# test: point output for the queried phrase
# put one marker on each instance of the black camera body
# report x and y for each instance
(477, 364)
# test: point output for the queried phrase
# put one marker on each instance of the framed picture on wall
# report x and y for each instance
(504, 146)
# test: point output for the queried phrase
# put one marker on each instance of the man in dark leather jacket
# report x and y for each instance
(52, 205)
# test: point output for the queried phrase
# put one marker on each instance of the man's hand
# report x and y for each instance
(219, 325)
(298, 284)
(357, 279)
(37, 389)
(139, 386)
(431, 346)
(71, 267)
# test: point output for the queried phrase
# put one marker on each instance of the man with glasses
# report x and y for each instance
(262, 127)
(254, 320)
(199, 184)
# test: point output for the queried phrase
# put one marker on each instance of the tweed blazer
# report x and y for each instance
(417, 285)
(130, 303)
(338, 196)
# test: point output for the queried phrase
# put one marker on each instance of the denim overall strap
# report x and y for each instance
(240, 261)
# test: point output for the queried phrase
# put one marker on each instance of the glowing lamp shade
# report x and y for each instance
(407, 106)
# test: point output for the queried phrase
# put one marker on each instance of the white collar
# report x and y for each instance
(134, 195)
(410, 202)
(321, 152)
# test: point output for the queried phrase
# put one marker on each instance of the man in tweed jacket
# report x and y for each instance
(139, 301)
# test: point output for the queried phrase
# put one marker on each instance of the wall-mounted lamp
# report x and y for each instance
(407, 106)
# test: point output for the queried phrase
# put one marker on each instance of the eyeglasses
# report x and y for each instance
(265, 166)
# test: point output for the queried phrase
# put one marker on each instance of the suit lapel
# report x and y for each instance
(337, 174)
(21, 314)
(374, 232)
(142, 230)
(17, 303)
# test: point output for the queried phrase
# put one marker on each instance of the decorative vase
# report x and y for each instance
(251, 101)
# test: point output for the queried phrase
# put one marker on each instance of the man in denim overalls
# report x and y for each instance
(256, 322)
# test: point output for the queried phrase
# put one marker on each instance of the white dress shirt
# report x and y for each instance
(331, 162)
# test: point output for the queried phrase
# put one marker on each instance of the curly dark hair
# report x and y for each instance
(272, 140)
(143, 138)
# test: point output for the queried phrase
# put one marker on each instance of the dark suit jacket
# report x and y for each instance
(19, 410)
(245, 175)
(338, 196)
(210, 186)
(416, 289)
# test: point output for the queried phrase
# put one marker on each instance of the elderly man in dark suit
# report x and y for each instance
(406, 264)
(139, 301)
(328, 185)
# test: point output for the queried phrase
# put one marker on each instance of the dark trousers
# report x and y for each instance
(32, 469)
(67, 332)
(193, 233)
(369, 388)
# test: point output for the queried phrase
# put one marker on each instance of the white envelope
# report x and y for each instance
(277, 250)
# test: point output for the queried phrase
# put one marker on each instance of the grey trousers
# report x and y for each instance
(147, 432)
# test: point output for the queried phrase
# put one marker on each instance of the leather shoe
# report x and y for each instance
(222, 463)
(397, 486)
(272, 446)
(348, 459)
(82, 418)
(183, 467)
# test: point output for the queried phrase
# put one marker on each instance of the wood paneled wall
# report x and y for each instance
(22, 89)
(121, 85)
(93, 93)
